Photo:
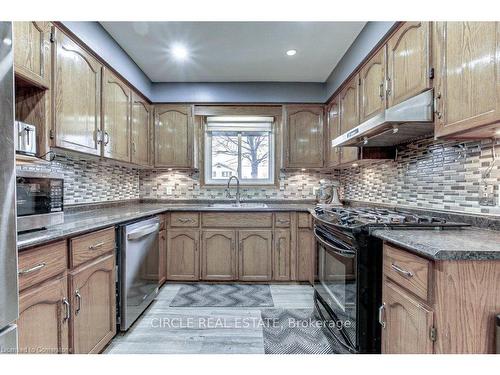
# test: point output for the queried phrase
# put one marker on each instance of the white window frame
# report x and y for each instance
(239, 125)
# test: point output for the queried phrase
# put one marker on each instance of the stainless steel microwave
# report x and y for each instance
(40, 198)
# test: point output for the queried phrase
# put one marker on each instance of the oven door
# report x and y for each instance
(336, 283)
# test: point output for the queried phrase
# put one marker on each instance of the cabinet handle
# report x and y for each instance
(106, 138)
(283, 221)
(381, 91)
(67, 308)
(96, 246)
(99, 137)
(185, 220)
(388, 88)
(32, 269)
(401, 271)
(436, 105)
(79, 300)
(381, 310)
(133, 147)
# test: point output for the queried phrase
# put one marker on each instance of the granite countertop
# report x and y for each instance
(447, 244)
(97, 218)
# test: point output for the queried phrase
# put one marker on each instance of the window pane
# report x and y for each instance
(224, 156)
(255, 156)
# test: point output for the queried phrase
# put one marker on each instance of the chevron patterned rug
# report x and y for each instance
(223, 295)
(296, 331)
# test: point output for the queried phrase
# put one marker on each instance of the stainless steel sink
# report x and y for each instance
(238, 205)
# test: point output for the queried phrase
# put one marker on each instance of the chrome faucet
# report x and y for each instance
(228, 192)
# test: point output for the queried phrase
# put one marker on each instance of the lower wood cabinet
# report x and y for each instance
(44, 313)
(218, 255)
(162, 256)
(183, 261)
(281, 255)
(441, 306)
(93, 301)
(255, 255)
(305, 255)
(407, 323)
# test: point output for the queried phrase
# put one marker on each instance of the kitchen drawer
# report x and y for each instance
(90, 246)
(237, 219)
(184, 219)
(305, 220)
(41, 263)
(282, 219)
(408, 270)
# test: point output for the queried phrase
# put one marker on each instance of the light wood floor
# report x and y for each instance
(215, 330)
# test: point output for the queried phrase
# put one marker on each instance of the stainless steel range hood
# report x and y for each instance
(405, 121)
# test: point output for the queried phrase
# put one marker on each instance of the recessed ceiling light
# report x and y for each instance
(180, 52)
(291, 52)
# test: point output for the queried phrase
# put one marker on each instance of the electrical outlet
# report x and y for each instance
(169, 190)
(486, 194)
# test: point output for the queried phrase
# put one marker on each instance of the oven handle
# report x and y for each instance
(337, 250)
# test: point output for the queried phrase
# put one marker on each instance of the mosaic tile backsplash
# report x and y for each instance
(92, 181)
(429, 174)
(186, 185)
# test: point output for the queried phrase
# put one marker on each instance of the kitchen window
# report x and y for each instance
(241, 146)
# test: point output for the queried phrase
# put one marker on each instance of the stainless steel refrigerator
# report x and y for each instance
(9, 310)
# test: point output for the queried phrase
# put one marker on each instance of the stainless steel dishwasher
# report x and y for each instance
(138, 278)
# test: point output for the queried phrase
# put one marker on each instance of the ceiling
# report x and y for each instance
(236, 51)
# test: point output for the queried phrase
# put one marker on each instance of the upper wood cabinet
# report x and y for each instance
(44, 315)
(408, 62)
(349, 105)
(218, 255)
(76, 97)
(332, 154)
(468, 78)
(93, 302)
(255, 255)
(372, 86)
(183, 259)
(32, 51)
(407, 323)
(348, 100)
(142, 114)
(116, 107)
(303, 136)
(174, 136)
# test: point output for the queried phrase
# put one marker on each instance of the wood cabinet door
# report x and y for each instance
(218, 255)
(349, 116)
(468, 75)
(116, 107)
(407, 323)
(304, 136)
(281, 255)
(76, 97)
(32, 51)
(408, 62)
(173, 136)
(93, 302)
(255, 255)
(372, 86)
(332, 158)
(162, 257)
(44, 313)
(141, 129)
(183, 262)
(305, 255)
